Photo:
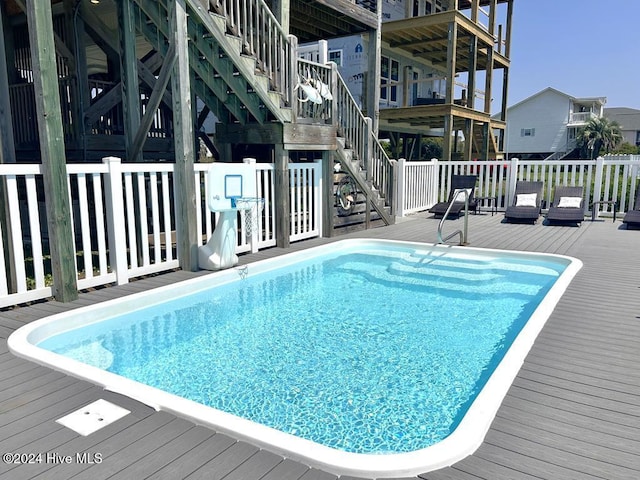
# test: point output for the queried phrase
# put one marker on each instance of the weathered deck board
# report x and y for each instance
(572, 412)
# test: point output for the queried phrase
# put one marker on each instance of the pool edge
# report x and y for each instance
(467, 437)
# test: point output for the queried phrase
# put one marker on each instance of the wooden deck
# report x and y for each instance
(573, 412)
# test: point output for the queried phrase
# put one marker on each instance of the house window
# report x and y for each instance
(336, 57)
(638, 139)
(384, 77)
(389, 74)
(528, 132)
(395, 76)
(421, 7)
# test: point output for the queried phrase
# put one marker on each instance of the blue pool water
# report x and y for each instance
(372, 351)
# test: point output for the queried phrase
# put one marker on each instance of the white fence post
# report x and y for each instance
(323, 51)
(255, 222)
(400, 192)
(513, 179)
(115, 219)
(318, 187)
(597, 187)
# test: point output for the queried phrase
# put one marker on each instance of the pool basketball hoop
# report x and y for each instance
(251, 209)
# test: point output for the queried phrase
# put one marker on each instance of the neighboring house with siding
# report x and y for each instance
(544, 125)
(629, 121)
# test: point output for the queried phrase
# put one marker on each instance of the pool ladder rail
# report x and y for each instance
(464, 231)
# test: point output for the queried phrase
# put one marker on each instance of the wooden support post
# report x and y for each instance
(473, 61)
(406, 86)
(488, 82)
(45, 79)
(452, 40)
(485, 141)
(475, 6)
(7, 147)
(505, 92)
(468, 138)
(281, 9)
(129, 72)
(328, 196)
(493, 7)
(446, 140)
(372, 99)
(507, 39)
(76, 45)
(282, 196)
(184, 180)
(7, 152)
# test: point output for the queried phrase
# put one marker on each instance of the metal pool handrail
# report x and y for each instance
(462, 233)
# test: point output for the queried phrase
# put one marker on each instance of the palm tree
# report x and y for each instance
(599, 134)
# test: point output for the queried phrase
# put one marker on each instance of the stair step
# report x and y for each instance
(275, 97)
(248, 62)
(236, 42)
(219, 20)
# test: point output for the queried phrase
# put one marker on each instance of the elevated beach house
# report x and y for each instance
(184, 81)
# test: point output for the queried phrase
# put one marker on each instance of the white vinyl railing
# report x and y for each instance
(609, 178)
(123, 221)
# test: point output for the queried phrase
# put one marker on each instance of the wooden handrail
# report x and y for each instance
(262, 37)
(359, 136)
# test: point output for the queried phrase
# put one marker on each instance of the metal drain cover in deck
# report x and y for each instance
(93, 417)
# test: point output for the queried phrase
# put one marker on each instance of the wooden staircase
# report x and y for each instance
(361, 154)
(479, 142)
(352, 165)
(244, 79)
(228, 75)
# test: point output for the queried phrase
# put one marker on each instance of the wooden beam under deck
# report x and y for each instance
(293, 136)
(329, 18)
(426, 37)
(425, 114)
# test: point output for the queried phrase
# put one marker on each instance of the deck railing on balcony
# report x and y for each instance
(581, 117)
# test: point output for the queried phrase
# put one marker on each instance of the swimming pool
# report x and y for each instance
(370, 377)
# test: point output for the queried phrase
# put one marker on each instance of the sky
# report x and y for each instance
(584, 48)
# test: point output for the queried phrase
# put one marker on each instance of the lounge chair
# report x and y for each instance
(458, 182)
(632, 217)
(568, 205)
(526, 203)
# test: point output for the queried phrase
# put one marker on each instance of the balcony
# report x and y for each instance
(580, 118)
(426, 38)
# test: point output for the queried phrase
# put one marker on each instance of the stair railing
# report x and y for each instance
(262, 37)
(313, 92)
(561, 152)
(359, 136)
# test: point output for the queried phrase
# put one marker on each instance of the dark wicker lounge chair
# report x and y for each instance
(568, 205)
(632, 217)
(526, 203)
(457, 182)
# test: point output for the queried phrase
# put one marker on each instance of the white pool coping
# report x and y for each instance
(466, 438)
